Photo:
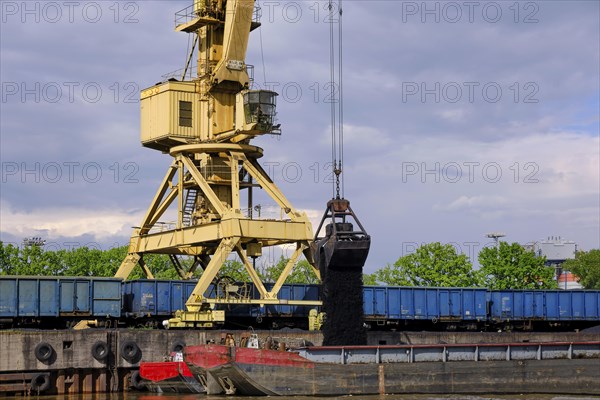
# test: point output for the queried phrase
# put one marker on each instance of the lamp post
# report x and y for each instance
(34, 241)
(496, 236)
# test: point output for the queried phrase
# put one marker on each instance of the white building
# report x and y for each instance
(557, 251)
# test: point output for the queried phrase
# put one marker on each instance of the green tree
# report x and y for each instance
(235, 270)
(302, 272)
(9, 259)
(370, 279)
(31, 261)
(586, 266)
(431, 264)
(81, 261)
(510, 266)
(112, 259)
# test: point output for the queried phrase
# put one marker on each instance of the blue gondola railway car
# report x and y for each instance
(542, 309)
(424, 308)
(55, 302)
(148, 302)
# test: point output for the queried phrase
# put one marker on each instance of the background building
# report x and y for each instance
(557, 251)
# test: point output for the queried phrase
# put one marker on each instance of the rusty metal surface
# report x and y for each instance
(363, 370)
(451, 352)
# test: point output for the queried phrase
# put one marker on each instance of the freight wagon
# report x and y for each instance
(385, 307)
(539, 309)
(54, 302)
(59, 302)
(424, 308)
(150, 302)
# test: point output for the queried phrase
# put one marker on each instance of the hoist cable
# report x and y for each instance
(262, 52)
(332, 98)
(341, 99)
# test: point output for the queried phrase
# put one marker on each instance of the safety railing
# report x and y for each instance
(192, 73)
(206, 8)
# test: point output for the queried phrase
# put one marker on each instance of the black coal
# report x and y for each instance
(343, 306)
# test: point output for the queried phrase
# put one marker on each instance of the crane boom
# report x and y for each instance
(235, 42)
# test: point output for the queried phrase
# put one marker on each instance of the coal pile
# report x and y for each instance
(343, 306)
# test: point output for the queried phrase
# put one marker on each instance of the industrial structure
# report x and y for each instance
(206, 122)
(557, 250)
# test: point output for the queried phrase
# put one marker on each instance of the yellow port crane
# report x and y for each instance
(205, 121)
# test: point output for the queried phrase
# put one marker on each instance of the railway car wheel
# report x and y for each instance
(100, 350)
(130, 351)
(178, 346)
(40, 382)
(43, 351)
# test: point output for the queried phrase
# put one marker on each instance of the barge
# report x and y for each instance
(508, 368)
(172, 376)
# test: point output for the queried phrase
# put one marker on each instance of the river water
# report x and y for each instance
(146, 396)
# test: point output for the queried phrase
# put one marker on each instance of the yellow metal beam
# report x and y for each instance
(253, 275)
(264, 301)
(163, 207)
(127, 265)
(196, 299)
(235, 179)
(258, 173)
(151, 214)
(204, 186)
(197, 319)
(286, 271)
(180, 193)
(145, 268)
(208, 235)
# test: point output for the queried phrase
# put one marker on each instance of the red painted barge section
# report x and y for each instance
(207, 355)
(160, 371)
(272, 358)
(170, 377)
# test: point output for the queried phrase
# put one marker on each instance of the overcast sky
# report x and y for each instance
(461, 118)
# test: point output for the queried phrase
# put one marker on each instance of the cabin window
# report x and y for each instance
(185, 113)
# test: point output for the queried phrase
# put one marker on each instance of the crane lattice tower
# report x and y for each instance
(205, 122)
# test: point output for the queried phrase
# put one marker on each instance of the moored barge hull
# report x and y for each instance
(557, 368)
(492, 377)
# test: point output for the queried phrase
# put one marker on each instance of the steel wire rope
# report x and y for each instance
(332, 99)
(262, 51)
(341, 98)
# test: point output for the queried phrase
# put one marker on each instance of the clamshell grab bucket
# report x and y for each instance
(343, 247)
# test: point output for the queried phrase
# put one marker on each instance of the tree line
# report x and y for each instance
(83, 261)
(507, 266)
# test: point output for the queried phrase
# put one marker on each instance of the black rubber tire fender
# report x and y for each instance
(130, 350)
(100, 350)
(178, 346)
(137, 381)
(40, 382)
(43, 351)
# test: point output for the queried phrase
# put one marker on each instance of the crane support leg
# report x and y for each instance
(129, 264)
(286, 271)
(194, 303)
(253, 275)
